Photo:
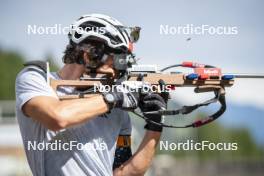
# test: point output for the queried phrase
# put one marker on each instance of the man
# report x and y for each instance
(95, 121)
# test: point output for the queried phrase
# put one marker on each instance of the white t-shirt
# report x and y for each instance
(99, 134)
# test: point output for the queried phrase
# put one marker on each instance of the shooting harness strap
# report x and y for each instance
(219, 92)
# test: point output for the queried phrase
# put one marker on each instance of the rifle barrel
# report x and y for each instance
(246, 75)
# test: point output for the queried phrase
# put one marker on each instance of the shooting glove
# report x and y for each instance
(152, 102)
(121, 98)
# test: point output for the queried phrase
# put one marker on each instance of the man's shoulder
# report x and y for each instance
(32, 79)
(31, 83)
(30, 74)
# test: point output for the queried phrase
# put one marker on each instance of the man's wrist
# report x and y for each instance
(153, 134)
(109, 100)
(153, 127)
(107, 108)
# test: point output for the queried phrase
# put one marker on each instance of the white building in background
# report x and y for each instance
(12, 156)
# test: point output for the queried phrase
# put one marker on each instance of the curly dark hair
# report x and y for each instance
(74, 53)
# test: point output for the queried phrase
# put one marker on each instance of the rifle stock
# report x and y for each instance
(177, 80)
(205, 78)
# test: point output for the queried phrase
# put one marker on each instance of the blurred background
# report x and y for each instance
(240, 53)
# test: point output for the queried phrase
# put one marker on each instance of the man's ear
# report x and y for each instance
(86, 57)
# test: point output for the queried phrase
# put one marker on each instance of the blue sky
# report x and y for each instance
(234, 53)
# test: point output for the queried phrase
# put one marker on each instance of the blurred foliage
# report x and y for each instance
(216, 133)
(52, 64)
(11, 63)
(247, 149)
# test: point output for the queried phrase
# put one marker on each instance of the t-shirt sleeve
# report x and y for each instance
(30, 84)
(126, 127)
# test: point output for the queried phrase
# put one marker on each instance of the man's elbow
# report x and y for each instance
(131, 170)
(138, 169)
(57, 122)
(57, 125)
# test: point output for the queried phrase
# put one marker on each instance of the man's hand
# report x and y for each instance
(152, 102)
(121, 98)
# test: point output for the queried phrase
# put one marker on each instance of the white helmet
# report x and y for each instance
(103, 28)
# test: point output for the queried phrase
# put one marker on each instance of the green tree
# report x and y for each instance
(11, 63)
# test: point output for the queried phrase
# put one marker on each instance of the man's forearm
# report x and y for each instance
(141, 160)
(77, 111)
(56, 115)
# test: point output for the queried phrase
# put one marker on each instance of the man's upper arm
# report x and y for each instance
(32, 91)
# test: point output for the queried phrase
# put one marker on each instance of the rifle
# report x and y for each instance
(204, 78)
